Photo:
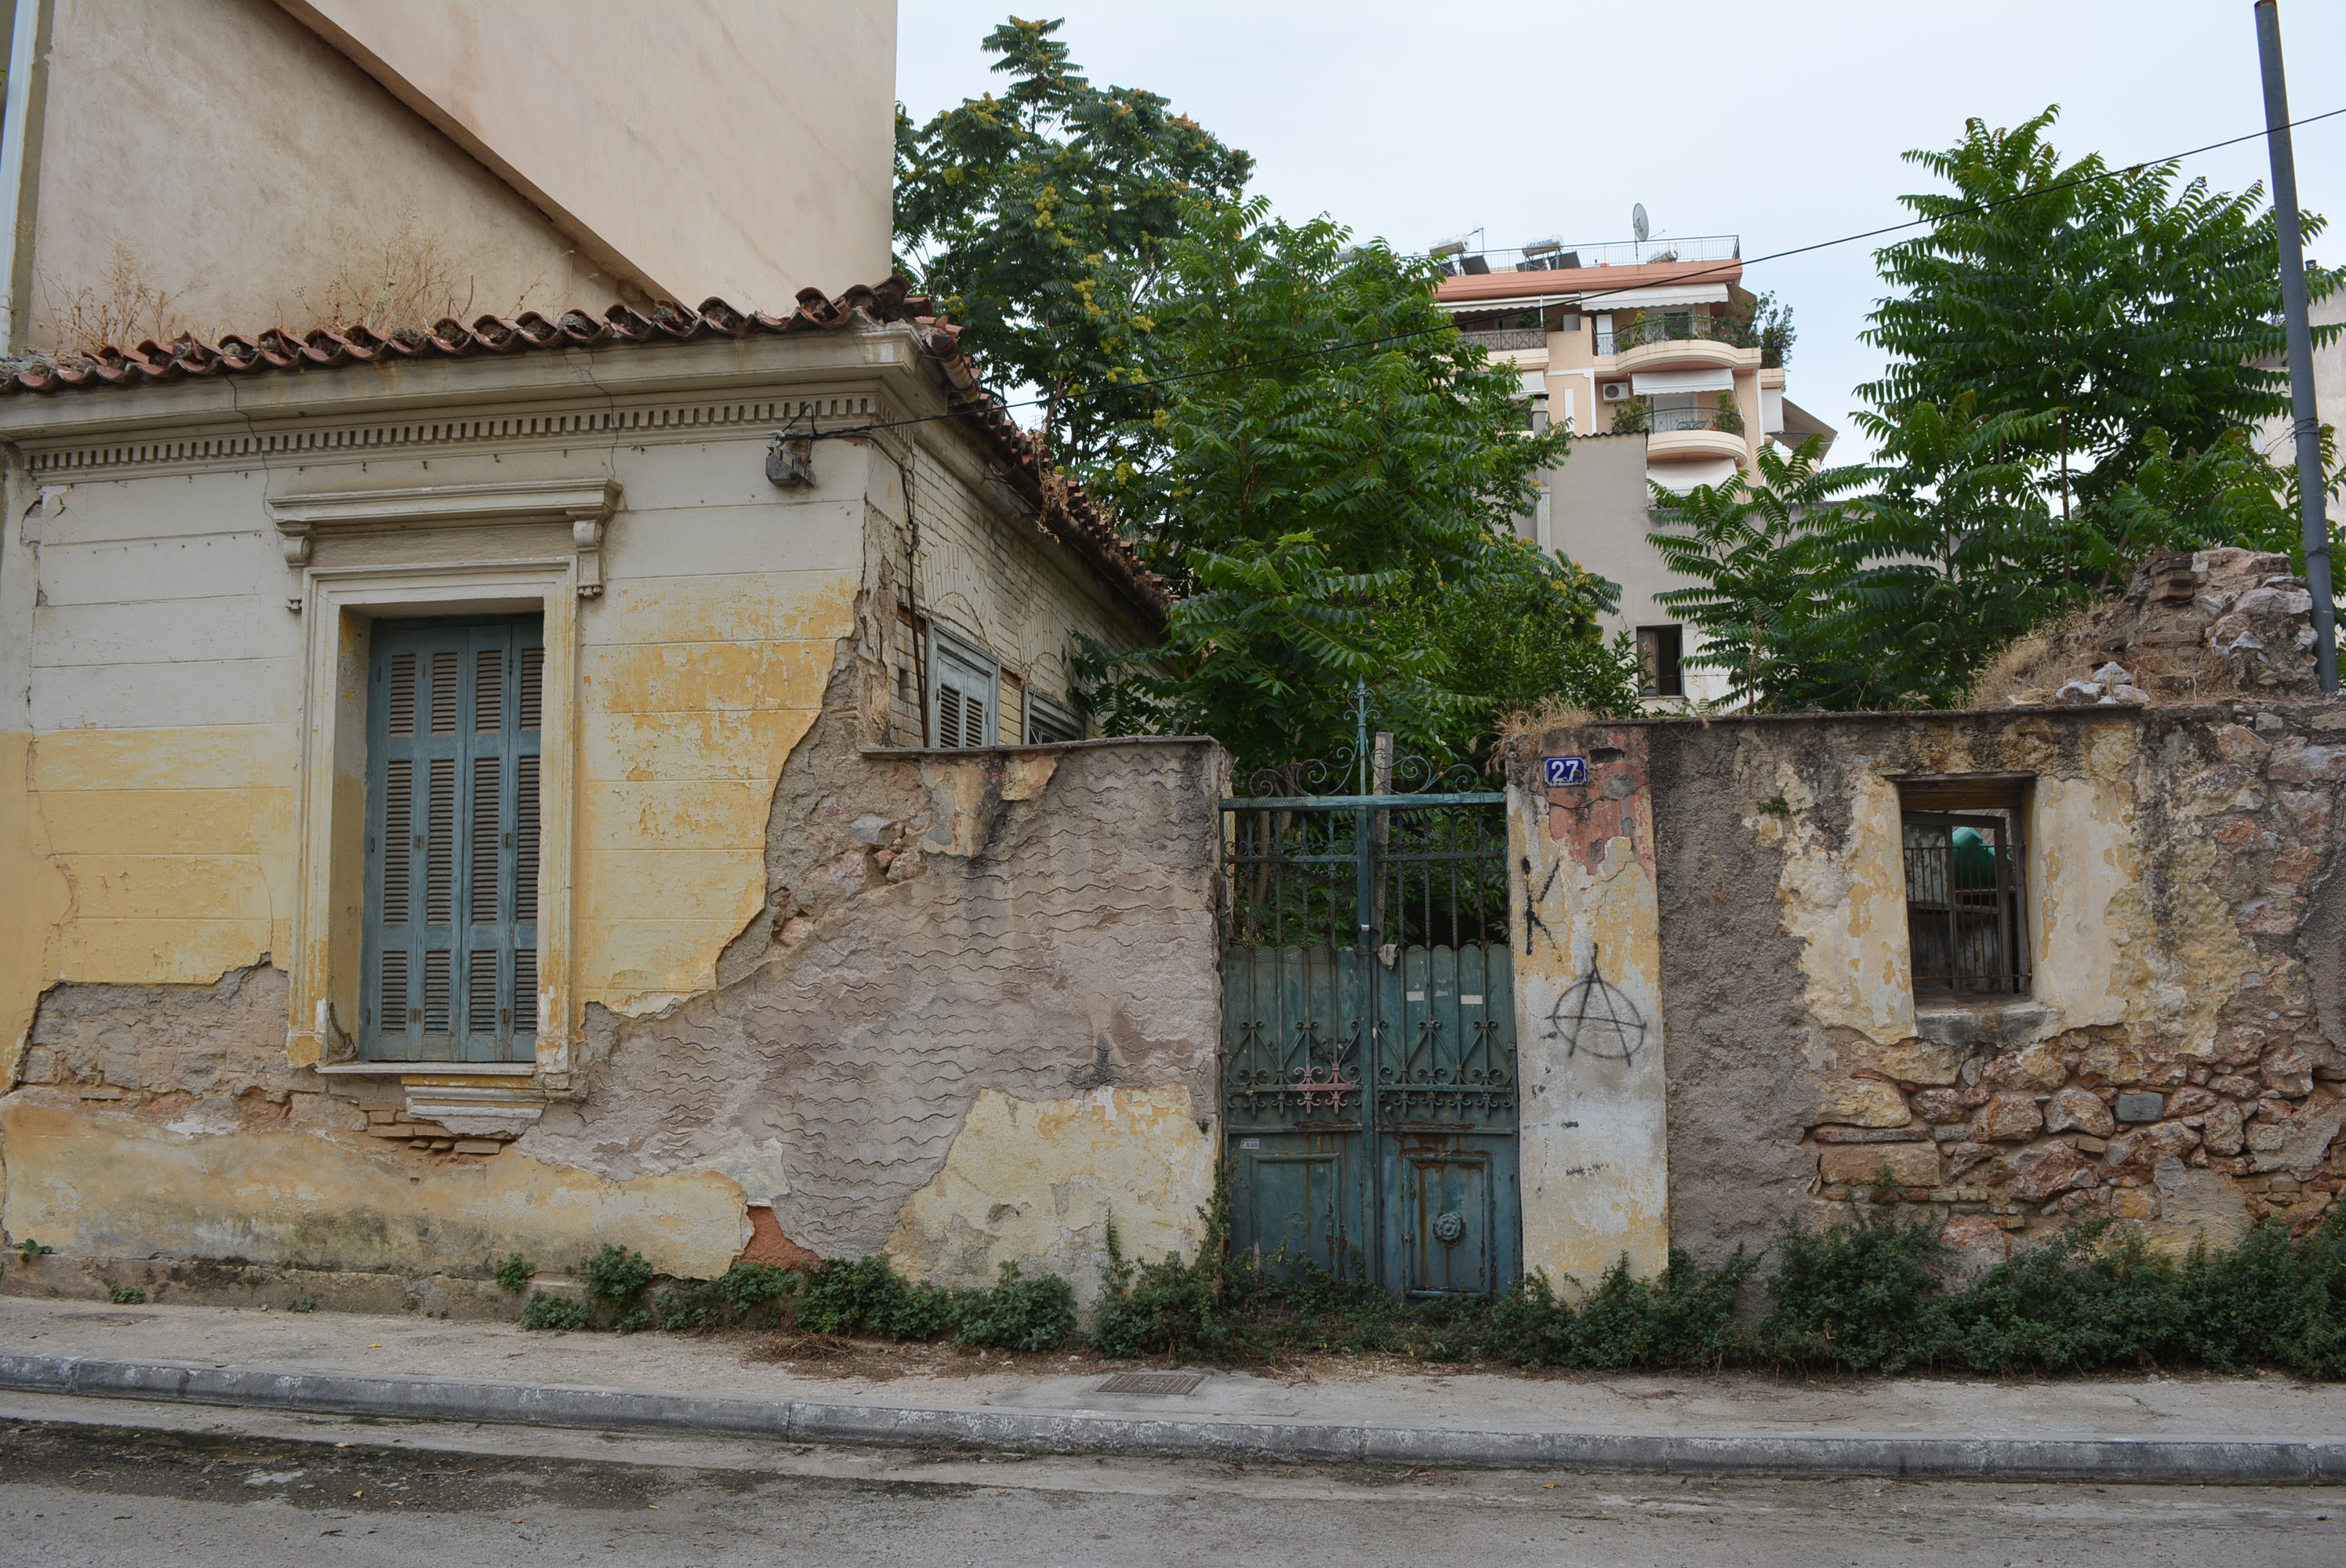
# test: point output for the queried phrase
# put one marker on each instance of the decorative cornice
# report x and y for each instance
(586, 508)
(313, 440)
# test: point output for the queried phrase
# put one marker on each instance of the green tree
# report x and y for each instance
(2070, 388)
(1039, 216)
(1331, 475)
(1950, 555)
(1766, 556)
(1285, 424)
(2110, 300)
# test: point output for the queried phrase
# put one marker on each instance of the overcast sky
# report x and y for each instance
(1782, 121)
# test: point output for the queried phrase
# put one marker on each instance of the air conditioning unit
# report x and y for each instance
(1614, 391)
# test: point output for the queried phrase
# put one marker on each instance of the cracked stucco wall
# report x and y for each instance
(2176, 1065)
(1029, 930)
(801, 969)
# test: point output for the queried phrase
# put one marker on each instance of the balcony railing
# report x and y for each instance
(1637, 416)
(1505, 337)
(1673, 328)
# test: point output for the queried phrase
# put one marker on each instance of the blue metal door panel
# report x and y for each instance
(450, 935)
(1368, 1045)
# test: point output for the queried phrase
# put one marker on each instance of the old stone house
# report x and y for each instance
(2077, 957)
(488, 790)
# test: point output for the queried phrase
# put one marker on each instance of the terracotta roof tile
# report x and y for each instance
(1068, 512)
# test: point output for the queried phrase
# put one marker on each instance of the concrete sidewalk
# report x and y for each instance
(2192, 1429)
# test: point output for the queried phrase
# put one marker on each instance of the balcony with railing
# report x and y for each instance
(1709, 428)
(1679, 339)
(1506, 338)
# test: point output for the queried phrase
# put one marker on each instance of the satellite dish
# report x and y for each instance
(1638, 224)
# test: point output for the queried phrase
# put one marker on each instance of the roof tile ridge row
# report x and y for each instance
(1071, 514)
(282, 348)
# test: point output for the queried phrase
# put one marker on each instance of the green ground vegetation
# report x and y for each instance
(1875, 1294)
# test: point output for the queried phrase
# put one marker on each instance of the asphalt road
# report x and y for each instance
(102, 1482)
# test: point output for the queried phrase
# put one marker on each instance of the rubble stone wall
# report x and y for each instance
(2180, 1062)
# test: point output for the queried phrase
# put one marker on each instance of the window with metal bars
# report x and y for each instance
(1049, 723)
(450, 954)
(1966, 859)
(965, 693)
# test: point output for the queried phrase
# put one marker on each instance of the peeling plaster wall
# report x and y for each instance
(2176, 1065)
(166, 1121)
(799, 967)
(1037, 928)
(1588, 1005)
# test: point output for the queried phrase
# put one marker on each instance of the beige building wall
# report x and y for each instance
(743, 148)
(212, 166)
(2276, 438)
(209, 166)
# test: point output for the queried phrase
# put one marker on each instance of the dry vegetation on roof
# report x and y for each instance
(1551, 712)
(124, 306)
(2203, 626)
(402, 273)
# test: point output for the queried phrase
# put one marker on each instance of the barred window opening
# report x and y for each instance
(1967, 860)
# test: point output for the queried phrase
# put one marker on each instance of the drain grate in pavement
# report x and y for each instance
(1152, 1383)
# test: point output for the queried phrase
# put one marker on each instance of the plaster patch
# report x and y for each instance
(112, 1185)
(1035, 1182)
(1847, 905)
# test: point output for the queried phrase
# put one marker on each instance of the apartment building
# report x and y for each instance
(1649, 352)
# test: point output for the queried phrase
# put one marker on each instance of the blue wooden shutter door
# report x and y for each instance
(450, 941)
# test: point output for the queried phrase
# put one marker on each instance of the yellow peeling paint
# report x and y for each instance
(1594, 1135)
(112, 1185)
(140, 857)
(36, 903)
(684, 743)
(1033, 1182)
(1847, 905)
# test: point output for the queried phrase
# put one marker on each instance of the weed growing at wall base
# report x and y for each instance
(1876, 1295)
(846, 1296)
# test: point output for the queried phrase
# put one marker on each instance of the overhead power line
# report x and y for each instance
(1975, 208)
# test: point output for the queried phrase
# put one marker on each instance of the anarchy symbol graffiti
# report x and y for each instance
(1597, 1018)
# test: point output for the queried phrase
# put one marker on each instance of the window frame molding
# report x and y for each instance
(339, 608)
(1052, 708)
(945, 641)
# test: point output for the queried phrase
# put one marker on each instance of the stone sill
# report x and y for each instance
(429, 1069)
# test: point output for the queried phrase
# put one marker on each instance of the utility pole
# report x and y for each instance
(2311, 495)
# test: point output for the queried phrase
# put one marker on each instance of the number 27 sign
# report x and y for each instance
(1566, 770)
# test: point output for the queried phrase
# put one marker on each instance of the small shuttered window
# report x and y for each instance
(965, 694)
(454, 712)
(1048, 723)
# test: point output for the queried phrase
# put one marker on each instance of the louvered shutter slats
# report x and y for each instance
(451, 935)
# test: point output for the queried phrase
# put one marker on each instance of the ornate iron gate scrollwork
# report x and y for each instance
(1369, 1089)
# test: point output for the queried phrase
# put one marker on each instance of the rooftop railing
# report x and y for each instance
(1603, 253)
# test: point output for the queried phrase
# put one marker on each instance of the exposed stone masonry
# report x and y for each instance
(2117, 1121)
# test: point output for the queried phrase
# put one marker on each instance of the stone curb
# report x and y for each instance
(2208, 1461)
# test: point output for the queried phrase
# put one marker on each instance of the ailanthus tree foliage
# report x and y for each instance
(1283, 422)
(1040, 216)
(2071, 386)
(2113, 301)
(1334, 516)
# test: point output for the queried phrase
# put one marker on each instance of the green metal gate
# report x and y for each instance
(1369, 1089)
